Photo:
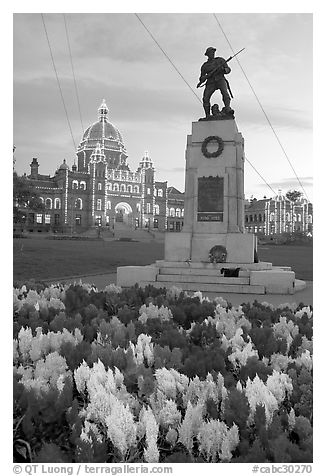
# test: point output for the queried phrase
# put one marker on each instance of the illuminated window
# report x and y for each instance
(178, 212)
(160, 192)
(156, 210)
(48, 203)
(79, 204)
(115, 187)
(108, 205)
(172, 212)
(82, 185)
(74, 184)
(148, 208)
(271, 217)
(98, 204)
(47, 219)
(57, 203)
(99, 186)
(39, 218)
(148, 191)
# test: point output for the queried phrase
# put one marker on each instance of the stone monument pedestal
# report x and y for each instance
(213, 237)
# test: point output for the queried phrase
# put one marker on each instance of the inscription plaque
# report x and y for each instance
(210, 198)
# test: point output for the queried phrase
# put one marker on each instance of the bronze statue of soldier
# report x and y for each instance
(213, 71)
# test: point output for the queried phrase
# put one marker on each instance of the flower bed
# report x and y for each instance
(156, 375)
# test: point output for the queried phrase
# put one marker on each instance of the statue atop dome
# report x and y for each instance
(103, 111)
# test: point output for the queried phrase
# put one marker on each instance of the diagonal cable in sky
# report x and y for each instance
(261, 106)
(58, 82)
(73, 73)
(167, 57)
(192, 90)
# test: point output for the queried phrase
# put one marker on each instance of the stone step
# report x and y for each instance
(198, 272)
(262, 265)
(299, 285)
(209, 279)
(206, 287)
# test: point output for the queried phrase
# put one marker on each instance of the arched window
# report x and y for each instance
(82, 185)
(115, 187)
(136, 189)
(156, 210)
(294, 217)
(172, 212)
(177, 212)
(271, 217)
(182, 212)
(299, 216)
(57, 203)
(99, 186)
(123, 187)
(79, 204)
(288, 216)
(48, 203)
(138, 207)
(75, 184)
(129, 188)
(160, 192)
(98, 204)
(309, 218)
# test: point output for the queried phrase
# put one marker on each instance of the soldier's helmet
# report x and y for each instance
(210, 48)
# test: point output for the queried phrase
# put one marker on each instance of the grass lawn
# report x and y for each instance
(40, 258)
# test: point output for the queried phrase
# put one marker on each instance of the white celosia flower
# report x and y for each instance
(258, 394)
(240, 356)
(279, 384)
(148, 421)
(190, 425)
(285, 305)
(285, 328)
(112, 288)
(220, 301)
(239, 386)
(304, 310)
(25, 339)
(173, 292)
(166, 383)
(305, 360)
(280, 362)
(81, 376)
(85, 433)
(216, 439)
(229, 443)
(291, 419)
(199, 295)
(120, 425)
(61, 383)
(169, 415)
(154, 312)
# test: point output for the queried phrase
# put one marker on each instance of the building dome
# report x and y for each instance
(108, 136)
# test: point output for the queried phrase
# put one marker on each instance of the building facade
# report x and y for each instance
(279, 215)
(100, 190)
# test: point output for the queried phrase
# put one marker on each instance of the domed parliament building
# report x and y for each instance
(101, 190)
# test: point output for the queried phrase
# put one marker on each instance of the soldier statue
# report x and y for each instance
(213, 71)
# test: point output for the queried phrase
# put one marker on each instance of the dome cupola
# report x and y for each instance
(109, 138)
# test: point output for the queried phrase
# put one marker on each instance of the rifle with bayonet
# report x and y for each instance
(215, 70)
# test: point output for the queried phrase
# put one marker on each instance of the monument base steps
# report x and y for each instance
(253, 278)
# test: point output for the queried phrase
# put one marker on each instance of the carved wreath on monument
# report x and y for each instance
(217, 254)
(210, 155)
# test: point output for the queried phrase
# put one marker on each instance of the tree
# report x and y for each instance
(293, 195)
(25, 198)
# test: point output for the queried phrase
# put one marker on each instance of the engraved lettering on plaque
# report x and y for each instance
(210, 198)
